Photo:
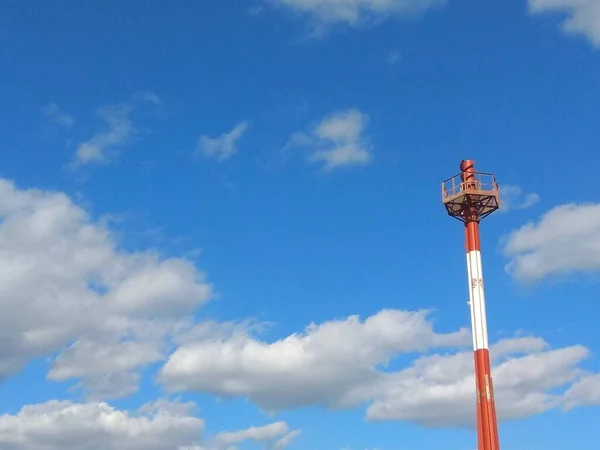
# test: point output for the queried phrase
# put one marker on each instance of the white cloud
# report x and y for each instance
(100, 148)
(275, 435)
(334, 363)
(119, 130)
(63, 281)
(563, 241)
(341, 364)
(585, 392)
(583, 16)
(337, 141)
(324, 13)
(98, 426)
(222, 147)
(286, 440)
(162, 425)
(55, 115)
(514, 198)
(438, 390)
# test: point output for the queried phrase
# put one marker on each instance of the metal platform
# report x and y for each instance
(478, 195)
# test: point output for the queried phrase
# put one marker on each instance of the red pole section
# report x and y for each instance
(487, 427)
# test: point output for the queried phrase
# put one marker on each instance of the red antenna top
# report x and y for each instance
(467, 166)
(470, 196)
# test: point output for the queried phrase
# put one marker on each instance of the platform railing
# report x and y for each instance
(478, 183)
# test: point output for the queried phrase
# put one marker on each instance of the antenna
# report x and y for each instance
(469, 197)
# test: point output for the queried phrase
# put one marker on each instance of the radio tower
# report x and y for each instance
(469, 197)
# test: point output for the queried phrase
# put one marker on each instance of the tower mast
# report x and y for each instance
(470, 197)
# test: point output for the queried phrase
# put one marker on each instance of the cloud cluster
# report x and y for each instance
(563, 241)
(530, 378)
(324, 13)
(67, 290)
(337, 141)
(333, 364)
(342, 364)
(583, 16)
(161, 425)
(65, 286)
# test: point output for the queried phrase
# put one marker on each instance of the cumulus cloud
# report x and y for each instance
(222, 147)
(334, 363)
(101, 147)
(438, 390)
(583, 16)
(514, 198)
(585, 392)
(337, 141)
(342, 364)
(324, 13)
(67, 290)
(98, 426)
(161, 425)
(56, 116)
(64, 282)
(563, 241)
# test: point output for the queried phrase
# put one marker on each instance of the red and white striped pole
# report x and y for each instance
(487, 427)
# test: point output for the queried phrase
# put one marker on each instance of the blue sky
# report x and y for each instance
(221, 223)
